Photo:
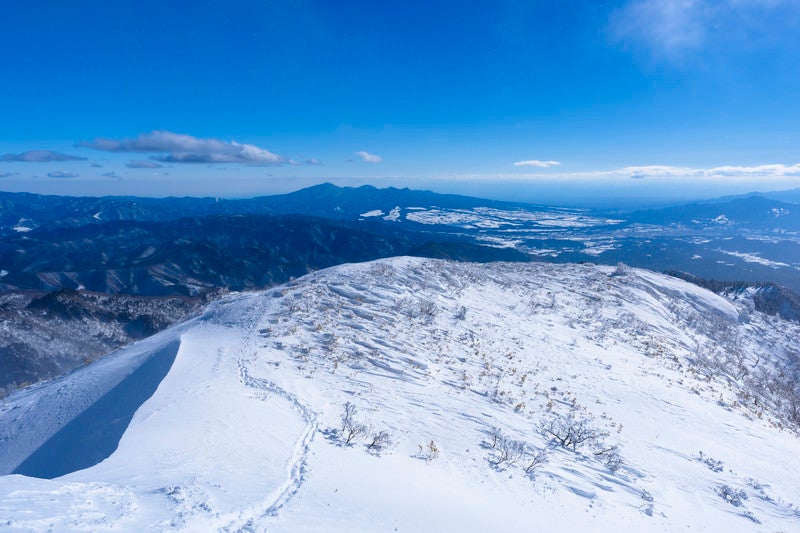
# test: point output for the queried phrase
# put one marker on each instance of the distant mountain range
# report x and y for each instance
(791, 196)
(751, 213)
(194, 247)
(20, 212)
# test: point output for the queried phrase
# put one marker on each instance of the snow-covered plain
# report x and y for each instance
(244, 431)
(755, 258)
(486, 217)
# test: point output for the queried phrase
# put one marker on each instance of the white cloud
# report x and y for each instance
(536, 163)
(368, 157)
(180, 148)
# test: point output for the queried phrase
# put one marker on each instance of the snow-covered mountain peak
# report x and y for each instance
(423, 395)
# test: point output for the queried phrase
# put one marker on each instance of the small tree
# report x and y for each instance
(351, 428)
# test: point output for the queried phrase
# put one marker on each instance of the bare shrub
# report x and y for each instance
(424, 310)
(351, 428)
(506, 453)
(569, 432)
(429, 452)
(731, 495)
(379, 441)
(427, 309)
(611, 458)
(647, 506)
(712, 464)
(495, 436)
(534, 459)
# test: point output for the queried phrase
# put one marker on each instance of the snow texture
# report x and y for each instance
(233, 421)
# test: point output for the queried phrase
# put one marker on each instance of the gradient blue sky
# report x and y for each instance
(634, 98)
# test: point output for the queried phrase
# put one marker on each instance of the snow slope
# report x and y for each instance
(244, 431)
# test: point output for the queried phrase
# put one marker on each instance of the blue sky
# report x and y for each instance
(505, 98)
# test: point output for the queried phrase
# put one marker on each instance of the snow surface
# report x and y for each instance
(243, 433)
(394, 214)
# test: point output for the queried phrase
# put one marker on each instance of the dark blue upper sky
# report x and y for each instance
(502, 97)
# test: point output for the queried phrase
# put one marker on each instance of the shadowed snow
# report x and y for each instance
(94, 434)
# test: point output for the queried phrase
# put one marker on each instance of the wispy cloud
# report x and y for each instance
(62, 174)
(40, 156)
(180, 148)
(8, 174)
(727, 171)
(143, 164)
(660, 172)
(666, 27)
(312, 162)
(367, 157)
(671, 29)
(111, 174)
(537, 163)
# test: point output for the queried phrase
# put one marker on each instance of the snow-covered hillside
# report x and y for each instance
(498, 397)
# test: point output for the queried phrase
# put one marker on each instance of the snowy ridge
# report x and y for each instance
(54, 404)
(472, 371)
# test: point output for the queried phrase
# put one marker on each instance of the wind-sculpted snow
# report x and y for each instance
(94, 434)
(110, 390)
(419, 395)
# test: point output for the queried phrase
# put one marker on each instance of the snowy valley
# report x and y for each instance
(424, 395)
